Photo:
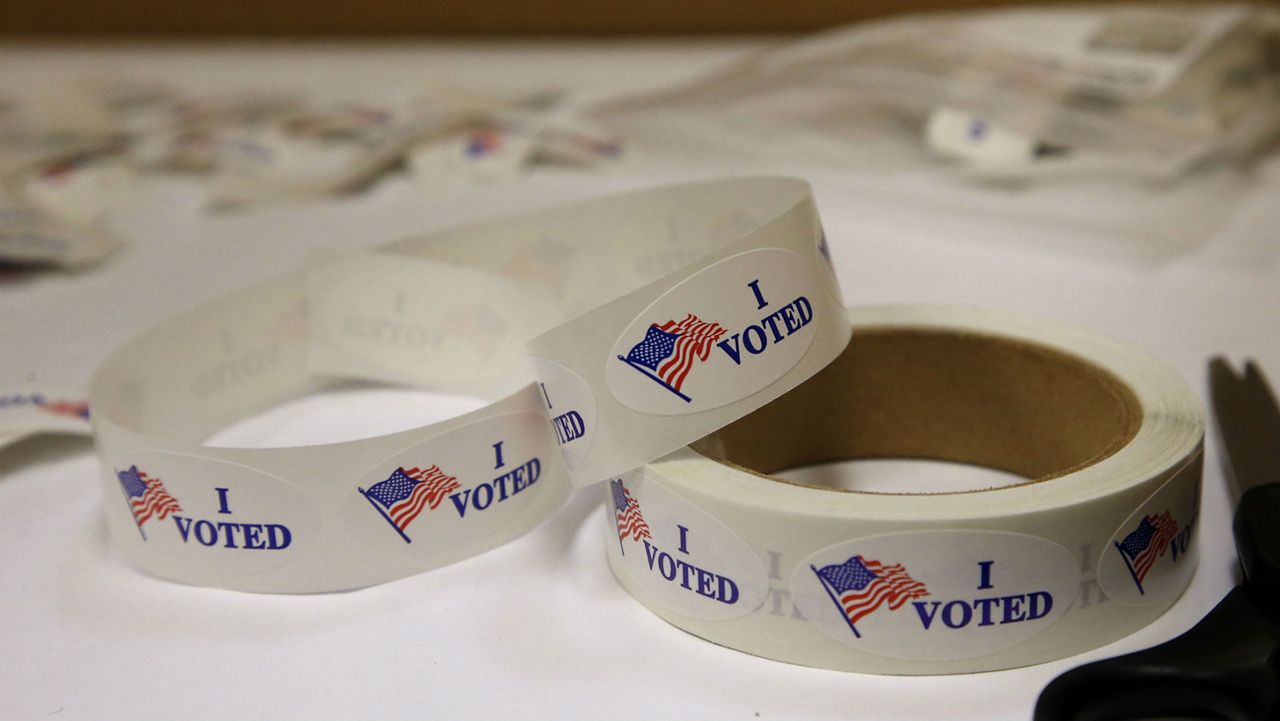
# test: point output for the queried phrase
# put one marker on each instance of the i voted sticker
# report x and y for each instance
(244, 522)
(1152, 556)
(937, 595)
(481, 476)
(680, 556)
(693, 350)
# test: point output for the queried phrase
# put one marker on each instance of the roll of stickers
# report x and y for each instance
(1098, 542)
(649, 319)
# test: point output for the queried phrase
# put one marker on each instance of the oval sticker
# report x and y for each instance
(1152, 556)
(244, 522)
(937, 595)
(679, 555)
(470, 482)
(721, 335)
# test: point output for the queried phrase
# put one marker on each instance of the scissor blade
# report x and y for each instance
(1249, 421)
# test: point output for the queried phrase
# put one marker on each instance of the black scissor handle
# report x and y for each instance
(1257, 533)
(1226, 668)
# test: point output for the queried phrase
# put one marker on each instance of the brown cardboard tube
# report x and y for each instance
(940, 394)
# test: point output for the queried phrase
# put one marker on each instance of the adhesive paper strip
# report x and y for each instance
(650, 319)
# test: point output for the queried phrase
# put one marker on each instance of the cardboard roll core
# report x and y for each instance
(940, 394)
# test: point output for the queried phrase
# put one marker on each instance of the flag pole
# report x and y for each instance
(613, 501)
(129, 503)
(656, 379)
(834, 600)
(1128, 565)
(378, 508)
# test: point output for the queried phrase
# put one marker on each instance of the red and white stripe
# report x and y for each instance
(154, 503)
(434, 485)
(67, 408)
(893, 587)
(1166, 529)
(696, 339)
(631, 523)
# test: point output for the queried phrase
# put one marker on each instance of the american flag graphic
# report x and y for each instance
(405, 494)
(147, 497)
(483, 142)
(80, 409)
(667, 352)
(626, 510)
(1146, 543)
(64, 167)
(859, 586)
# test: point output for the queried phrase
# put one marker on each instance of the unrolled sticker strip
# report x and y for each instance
(724, 286)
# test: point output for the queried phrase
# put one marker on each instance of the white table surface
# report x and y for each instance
(538, 629)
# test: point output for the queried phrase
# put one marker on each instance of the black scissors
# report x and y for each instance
(1227, 667)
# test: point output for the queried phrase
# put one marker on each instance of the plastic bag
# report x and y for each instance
(1128, 120)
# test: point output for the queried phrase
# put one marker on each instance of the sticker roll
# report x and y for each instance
(1097, 543)
(649, 320)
